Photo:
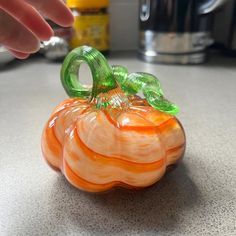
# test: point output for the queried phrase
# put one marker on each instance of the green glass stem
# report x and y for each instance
(106, 78)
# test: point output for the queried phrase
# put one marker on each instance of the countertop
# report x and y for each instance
(198, 198)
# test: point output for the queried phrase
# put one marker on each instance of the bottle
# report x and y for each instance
(91, 26)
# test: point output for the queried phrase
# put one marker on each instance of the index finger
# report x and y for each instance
(56, 10)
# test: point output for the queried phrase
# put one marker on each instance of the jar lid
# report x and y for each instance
(83, 4)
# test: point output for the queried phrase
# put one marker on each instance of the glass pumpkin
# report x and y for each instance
(106, 136)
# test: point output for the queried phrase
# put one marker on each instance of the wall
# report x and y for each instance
(124, 24)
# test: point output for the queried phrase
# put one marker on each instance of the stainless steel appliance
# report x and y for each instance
(176, 31)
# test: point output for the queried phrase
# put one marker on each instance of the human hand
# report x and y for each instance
(22, 27)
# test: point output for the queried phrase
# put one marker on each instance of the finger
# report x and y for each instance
(19, 55)
(56, 10)
(15, 36)
(27, 16)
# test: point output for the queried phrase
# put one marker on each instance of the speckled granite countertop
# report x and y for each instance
(198, 198)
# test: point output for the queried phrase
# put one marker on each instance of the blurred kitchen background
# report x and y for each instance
(198, 198)
(125, 24)
(162, 31)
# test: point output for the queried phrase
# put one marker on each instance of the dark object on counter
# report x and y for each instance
(225, 29)
(176, 31)
(231, 44)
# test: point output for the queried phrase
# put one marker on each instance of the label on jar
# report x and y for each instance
(91, 30)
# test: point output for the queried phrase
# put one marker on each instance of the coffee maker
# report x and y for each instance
(176, 31)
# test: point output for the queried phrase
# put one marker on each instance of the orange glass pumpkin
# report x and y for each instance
(107, 136)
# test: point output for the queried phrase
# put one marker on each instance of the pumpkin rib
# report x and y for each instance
(49, 163)
(145, 112)
(52, 129)
(102, 173)
(61, 121)
(174, 156)
(110, 141)
(177, 151)
(122, 161)
(68, 103)
(172, 149)
(49, 156)
(51, 140)
(143, 129)
(167, 125)
(176, 148)
(83, 184)
(109, 172)
(170, 122)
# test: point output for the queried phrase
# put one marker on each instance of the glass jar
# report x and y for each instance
(91, 26)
